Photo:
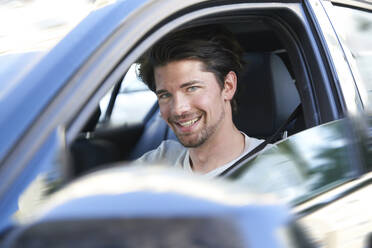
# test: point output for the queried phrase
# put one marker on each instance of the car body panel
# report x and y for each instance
(344, 221)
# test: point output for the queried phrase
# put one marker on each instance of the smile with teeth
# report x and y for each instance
(188, 123)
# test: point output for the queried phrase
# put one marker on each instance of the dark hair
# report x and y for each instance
(213, 45)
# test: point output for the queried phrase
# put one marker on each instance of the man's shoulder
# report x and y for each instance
(170, 145)
(168, 151)
(255, 142)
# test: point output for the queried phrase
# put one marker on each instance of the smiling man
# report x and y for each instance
(194, 73)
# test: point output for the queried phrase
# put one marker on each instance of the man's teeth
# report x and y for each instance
(188, 123)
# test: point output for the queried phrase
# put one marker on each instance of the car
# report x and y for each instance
(305, 89)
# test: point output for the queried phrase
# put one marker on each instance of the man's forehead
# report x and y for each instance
(181, 62)
(178, 73)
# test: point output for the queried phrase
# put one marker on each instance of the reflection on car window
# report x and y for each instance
(132, 103)
(355, 28)
(301, 166)
(46, 176)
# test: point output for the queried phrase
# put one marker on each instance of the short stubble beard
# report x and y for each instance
(204, 134)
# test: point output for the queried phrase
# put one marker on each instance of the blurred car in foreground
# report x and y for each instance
(305, 88)
(157, 207)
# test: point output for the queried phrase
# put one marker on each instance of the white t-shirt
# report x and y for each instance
(173, 153)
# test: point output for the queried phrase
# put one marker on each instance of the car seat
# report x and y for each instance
(266, 97)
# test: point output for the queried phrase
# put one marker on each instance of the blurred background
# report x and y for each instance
(32, 25)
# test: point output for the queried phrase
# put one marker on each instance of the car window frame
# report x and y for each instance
(338, 68)
(358, 6)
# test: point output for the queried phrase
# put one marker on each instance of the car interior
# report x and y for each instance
(267, 95)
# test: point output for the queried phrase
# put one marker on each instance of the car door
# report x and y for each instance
(339, 218)
(319, 175)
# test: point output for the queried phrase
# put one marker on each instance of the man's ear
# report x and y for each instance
(230, 85)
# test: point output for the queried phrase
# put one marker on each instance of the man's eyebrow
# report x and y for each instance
(192, 82)
(158, 92)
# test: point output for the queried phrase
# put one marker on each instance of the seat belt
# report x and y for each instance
(263, 144)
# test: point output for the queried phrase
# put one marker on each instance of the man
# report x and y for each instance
(194, 73)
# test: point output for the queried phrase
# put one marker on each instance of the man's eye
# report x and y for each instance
(164, 96)
(192, 88)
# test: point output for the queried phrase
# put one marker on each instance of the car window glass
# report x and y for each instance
(301, 166)
(355, 28)
(132, 103)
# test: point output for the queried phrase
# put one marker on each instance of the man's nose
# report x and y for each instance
(180, 105)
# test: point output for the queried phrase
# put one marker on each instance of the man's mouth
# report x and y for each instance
(188, 123)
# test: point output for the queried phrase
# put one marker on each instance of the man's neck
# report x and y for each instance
(218, 150)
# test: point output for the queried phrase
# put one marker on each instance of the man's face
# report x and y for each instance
(190, 101)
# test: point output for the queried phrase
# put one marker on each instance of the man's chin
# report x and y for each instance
(190, 142)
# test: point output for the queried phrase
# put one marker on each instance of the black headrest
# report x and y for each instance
(267, 95)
